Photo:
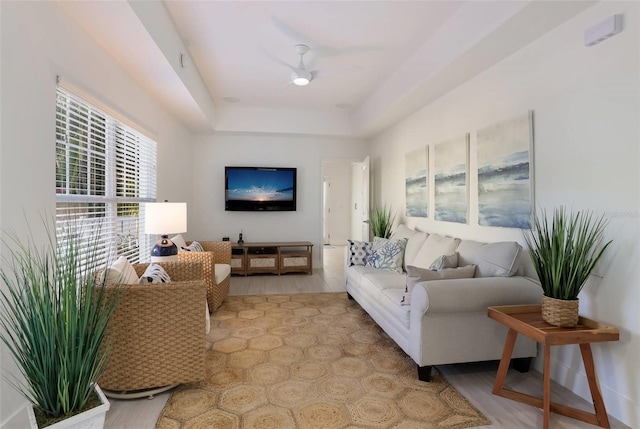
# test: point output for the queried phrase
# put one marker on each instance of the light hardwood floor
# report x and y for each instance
(474, 381)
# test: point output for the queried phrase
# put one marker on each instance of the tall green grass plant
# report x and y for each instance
(566, 250)
(381, 220)
(54, 314)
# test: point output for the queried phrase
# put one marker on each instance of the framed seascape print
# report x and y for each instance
(451, 173)
(417, 195)
(505, 173)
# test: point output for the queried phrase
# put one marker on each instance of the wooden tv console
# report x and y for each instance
(271, 257)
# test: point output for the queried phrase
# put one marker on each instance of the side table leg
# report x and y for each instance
(546, 386)
(509, 343)
(594, 386)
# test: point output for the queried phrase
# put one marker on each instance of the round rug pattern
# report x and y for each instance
(309, 361)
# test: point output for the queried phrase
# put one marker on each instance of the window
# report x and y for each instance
(105, 171)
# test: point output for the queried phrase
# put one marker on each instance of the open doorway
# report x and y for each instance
(345, 202)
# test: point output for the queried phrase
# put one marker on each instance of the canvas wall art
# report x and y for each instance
(451, 172)
(505, 173)
(417, 195)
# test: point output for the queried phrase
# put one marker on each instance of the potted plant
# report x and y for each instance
(53, 315)
(381, 220)
(564, 253)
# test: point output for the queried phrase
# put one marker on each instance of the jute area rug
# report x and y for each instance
(310, 361)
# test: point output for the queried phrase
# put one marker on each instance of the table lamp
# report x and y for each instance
(164, 219)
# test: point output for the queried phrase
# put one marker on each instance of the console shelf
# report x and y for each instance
(272, 257)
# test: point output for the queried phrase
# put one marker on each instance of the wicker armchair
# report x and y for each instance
(156, 337)
(216, 253)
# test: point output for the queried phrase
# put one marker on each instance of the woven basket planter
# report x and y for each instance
(560, 312)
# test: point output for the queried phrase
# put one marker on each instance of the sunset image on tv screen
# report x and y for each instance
(260, 185)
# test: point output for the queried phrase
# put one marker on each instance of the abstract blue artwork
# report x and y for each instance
(505, 173)
(417, 195)
(451, 171)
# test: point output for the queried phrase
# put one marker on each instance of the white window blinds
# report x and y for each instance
(105, 171)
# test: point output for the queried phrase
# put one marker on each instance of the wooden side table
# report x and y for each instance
(527, 320)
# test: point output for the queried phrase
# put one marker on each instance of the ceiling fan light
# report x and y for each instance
(301, 77)
(300, 81)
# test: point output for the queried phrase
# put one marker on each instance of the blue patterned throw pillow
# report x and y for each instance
(387, 254)
(194, 247)
(358, 252)
(155, 274)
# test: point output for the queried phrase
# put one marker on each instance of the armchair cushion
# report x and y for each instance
(222, 271)
(178, 240)
(121, 271)
(193, 247)
(155, 274)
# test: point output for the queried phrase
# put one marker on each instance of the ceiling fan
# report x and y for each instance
(300, 76)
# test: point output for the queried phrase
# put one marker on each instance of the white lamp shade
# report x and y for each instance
(165, 218)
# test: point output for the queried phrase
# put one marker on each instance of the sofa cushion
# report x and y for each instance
(387, 254)
(415, 240)
(394, 307)
(155, 274)
(434, 246)
(493, 259)
(358, 252)
(416, 275)
(445, 261)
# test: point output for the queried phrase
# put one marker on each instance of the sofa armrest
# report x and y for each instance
(475, 294)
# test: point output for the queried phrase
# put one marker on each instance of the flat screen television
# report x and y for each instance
(260, 189)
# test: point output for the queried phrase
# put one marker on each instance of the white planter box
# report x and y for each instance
(90, 419)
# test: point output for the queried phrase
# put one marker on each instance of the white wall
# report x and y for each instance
(338, 174)
(211, 221)
(39, 42)
(587, 106)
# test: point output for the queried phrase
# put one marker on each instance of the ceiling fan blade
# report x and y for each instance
(278, 60)
(292, 33)
(323, 50)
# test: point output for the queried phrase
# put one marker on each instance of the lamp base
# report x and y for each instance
(164, 250)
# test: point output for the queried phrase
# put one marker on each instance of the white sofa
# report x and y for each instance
(446, 321)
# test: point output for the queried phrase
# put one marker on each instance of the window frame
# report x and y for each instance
(105, 172)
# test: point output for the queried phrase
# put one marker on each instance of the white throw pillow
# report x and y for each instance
(416, 275)
(155, 274)
(121, 272)
(193, 247)
(178, 240)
